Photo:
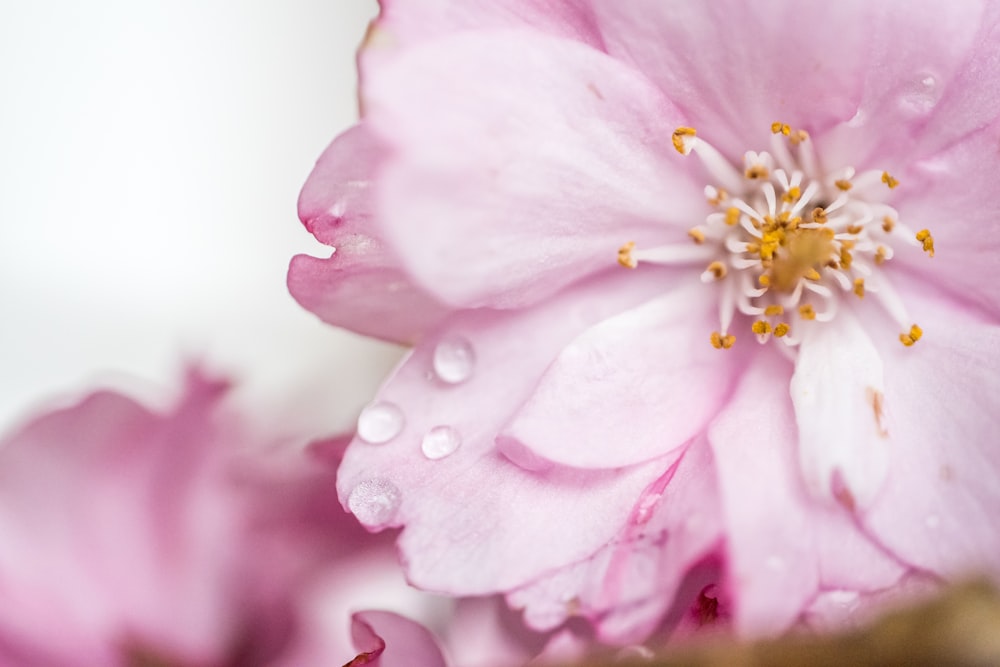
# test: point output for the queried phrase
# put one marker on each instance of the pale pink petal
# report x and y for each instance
(360, 286)
(940, 510)
(783, 546)
(631, 388)
(838, 391)
(522, 163)
(955, 195)
(385, 639)
(626, 588)
(473, 519)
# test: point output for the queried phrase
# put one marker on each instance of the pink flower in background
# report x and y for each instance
(135, 538)
(701, 295)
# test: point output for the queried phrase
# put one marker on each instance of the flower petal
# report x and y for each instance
(838, 392)
(385, 639)
(520, 164)
(940, 510)
(631, 388)
(361, 286)
(472, 518)
(783, 546)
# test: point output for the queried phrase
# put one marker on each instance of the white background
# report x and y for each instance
(151, 154)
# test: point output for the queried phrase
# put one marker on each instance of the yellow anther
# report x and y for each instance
(828, 233)
(908, 339)
(625, 257)
(924, 236)
(720, 196)
(781, 329)
(696, 235)
(880, 254)
(818, 215)
(761, 327)
(717, 269)
(792, 195)
(798, 136)
(843, 184)
(732, 215)
(887, 224)
(773, 310)
(764, 280)
(812, 274)
(889, 180)
(807, 312)
(720, 342)
(780, 128)
(859, 287)
(855, 229)
(683, 147)
(756, 171)
(846, 258)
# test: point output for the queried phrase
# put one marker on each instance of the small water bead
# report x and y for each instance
(454, 360)
(380, 422)
(921, 94)
(375, 502)
(440, 441)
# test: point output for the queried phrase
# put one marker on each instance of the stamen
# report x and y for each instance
(887, 224)
(696, 234)
(716, 270)
(843, 184)
(807, 312)
(924, 236)
(682, 139)
(859, 287)
(908, 339)
(780, 128)
(625, 257)
(732, 215)
(761, 327)
(722, 342)
(773, 310)
(889, 180)
(781, 329)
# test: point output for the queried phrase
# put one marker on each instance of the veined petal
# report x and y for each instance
(472, 519)
(500, 198)
(939, 510)
(838, 392)
(632, 387)
(783, 545)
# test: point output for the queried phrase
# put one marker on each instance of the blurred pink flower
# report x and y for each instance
(135, 538)
(608, 442)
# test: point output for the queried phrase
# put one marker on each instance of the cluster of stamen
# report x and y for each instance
(785, 240)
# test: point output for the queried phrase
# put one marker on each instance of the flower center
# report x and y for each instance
(786, 241)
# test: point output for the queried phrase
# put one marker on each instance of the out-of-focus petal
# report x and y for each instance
(472, 519)
(500, 198)
(631, 388)
(385, 639)
(782, 545)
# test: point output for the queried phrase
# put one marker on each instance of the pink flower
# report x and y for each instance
(609, 441)
(131, 537)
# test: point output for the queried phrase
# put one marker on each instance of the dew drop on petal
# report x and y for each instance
(374, 502)
(920, 94)
(440, 441)
(454, 360)
(380, 422)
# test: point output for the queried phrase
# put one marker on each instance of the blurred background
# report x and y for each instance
(151, 154)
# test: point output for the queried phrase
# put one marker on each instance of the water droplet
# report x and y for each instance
(380, 422)
(440, 441)
(375, 502)
(454, 360)
(921, 94)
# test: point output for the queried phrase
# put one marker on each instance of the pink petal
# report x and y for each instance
(940, 510)
(631, 388)
(385, 639)
(783, 546)
(838, 391)
(473, 523)
(627, 586)
(956, 195)
(521, 163)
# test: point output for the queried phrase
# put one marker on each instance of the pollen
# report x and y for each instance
(793, 195)
(859, 287)
(888, 224)
(843, 184)
(818, 215)
(722, 342)
(780, 128)
(625, 257)
(696, 235)
(889, 180)
(680, 144)
(761, 327)
(908, 339)
(732, 215)
(880, 254)
(717, 269)
(781, 329)
(774, 309)
(924, 236)
(807, 312)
